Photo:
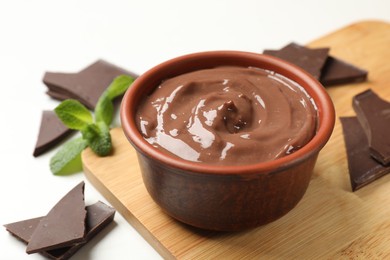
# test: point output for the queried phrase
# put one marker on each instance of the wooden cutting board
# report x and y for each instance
(331, 221)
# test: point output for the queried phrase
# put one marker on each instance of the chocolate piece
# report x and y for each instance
(59, 95)
(271, 52)
(363, 169)
(374, 116)
(99, 215)
(86, 85)
(311, 60)
(51, 132)
(24, 229)
(63, 226)
(329, 70)
(337, 72)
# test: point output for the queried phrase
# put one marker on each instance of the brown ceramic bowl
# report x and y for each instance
(226, 198)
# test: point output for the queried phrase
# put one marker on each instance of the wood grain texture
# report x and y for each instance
(330, 222)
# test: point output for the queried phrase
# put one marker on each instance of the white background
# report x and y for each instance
(65, 36)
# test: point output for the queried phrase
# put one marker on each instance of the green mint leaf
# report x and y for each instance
(98, 138)
(68, 159)
(104, 110)
(119, 86)
(74, 114)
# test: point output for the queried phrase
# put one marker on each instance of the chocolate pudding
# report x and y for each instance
(228, 116)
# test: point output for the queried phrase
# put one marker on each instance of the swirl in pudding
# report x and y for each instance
(228, 116)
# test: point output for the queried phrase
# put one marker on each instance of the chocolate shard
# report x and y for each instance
(363, 169)
(271, 52)
(99, 215)
(311, 60)
(87, 85)
(63, 226)
(374, 116)
(59, 95)
(336, 72)
(329, 70)
(51, 132)
(24, 229)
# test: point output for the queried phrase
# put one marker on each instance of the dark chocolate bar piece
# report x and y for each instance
(336, 72)
(51, 132)
(311, 60)
(363, 169)
(24, 229)
(87, 85)
(327, 69)
(63, 226)
(374, 116)
(271, 52)
(60, 95)
(99, 215)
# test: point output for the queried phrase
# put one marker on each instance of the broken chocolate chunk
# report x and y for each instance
(363, 169)
(99, 215)
(51, 132)
(60, 95)
(63, 226)
(337, 72)
(327, 69)
(87, 85)
(374, 116)
(271, 52)
(24, 229)
(311, 60)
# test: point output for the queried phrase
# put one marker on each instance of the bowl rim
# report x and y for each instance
(324, 104)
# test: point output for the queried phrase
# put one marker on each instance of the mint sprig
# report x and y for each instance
(95, 133)
(68, 159)
(74, 114)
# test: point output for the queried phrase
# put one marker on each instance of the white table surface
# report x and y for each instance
(65, 36)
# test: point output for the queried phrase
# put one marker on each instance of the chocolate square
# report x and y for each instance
(363, 169)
